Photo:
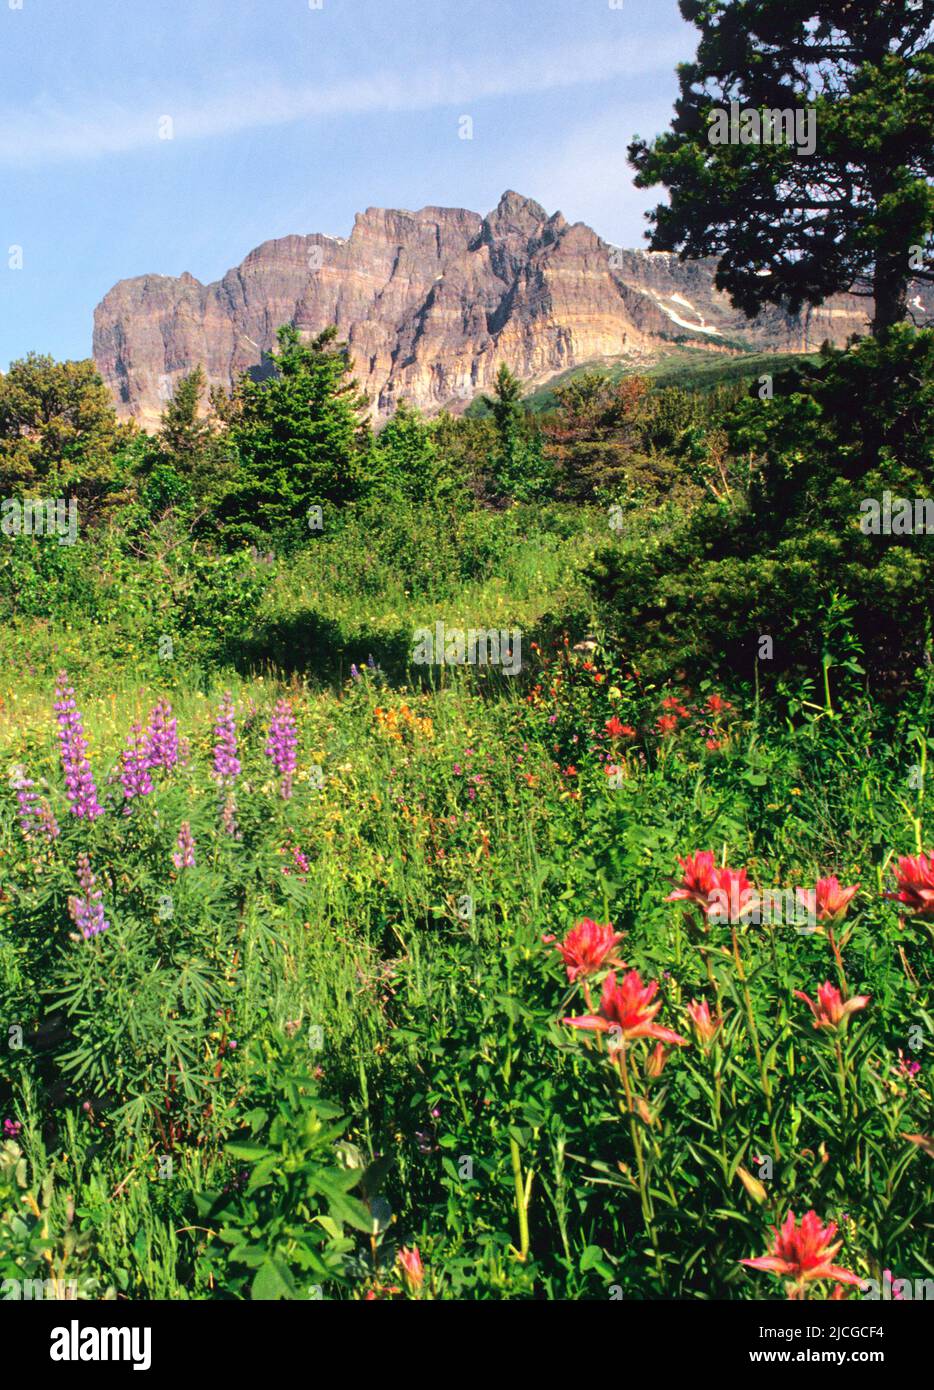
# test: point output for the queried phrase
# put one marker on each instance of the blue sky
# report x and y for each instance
(286, 118)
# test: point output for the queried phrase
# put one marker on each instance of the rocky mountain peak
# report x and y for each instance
(431, 302)
(515, 216)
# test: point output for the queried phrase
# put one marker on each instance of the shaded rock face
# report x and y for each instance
(431, 303)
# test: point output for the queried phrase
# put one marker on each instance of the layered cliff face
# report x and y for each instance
(431, 302)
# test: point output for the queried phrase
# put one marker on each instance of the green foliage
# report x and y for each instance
(185, 468)
(59, 435)
(518, 469)
(317, 1048)
(600, 440)
(280, 1222)
(783, 534)
(406, 462)
(300, 442)
(791, 226)
(340, 1033)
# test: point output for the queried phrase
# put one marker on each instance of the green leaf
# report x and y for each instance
(272, 1281)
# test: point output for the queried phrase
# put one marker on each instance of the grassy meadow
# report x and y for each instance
(333, 1037)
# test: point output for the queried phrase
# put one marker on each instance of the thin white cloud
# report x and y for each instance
(50, 131)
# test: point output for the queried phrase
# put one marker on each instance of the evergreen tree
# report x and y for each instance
(406, 460)
(183, 432)
(300, 440)
(519, 468)
(792, 225)
(593, 437)
(190, 455)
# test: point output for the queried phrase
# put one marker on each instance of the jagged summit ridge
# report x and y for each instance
(431, 302)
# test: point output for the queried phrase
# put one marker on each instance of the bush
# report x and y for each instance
(770, 559)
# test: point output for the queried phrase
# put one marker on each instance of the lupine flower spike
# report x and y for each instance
(281, 745)
(226, 762)
(35, 816)
(87, 912)
(134, 766)
(79, 781)
(184, 855)
(162, 738)
(229, 817)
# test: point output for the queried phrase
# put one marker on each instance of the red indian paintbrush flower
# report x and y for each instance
(828, 901)
(696, 879)
(804, 1252)
(411, 1262)
(732, 897)
(716, 704)
(587, 948)
(830, 1010)
(617, 729)
(705, 1026)
(723, 895)
(915, 876)
(627, 1012)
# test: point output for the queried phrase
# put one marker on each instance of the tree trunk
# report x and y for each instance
(890, 290)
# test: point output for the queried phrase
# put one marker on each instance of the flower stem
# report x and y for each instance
(644, 1196)
(751, 1021)
(838, 959)
(522, 1199)
(841, 1078)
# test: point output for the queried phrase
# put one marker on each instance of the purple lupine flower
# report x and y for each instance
(184, 856)
(354, 674)
(34, 814)
(226, 762)
(48, 825)
(134, 766)
(79, 781)
(162, 737)
(281, 745)
(87, 912)
(229, 817)
(26, 799)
